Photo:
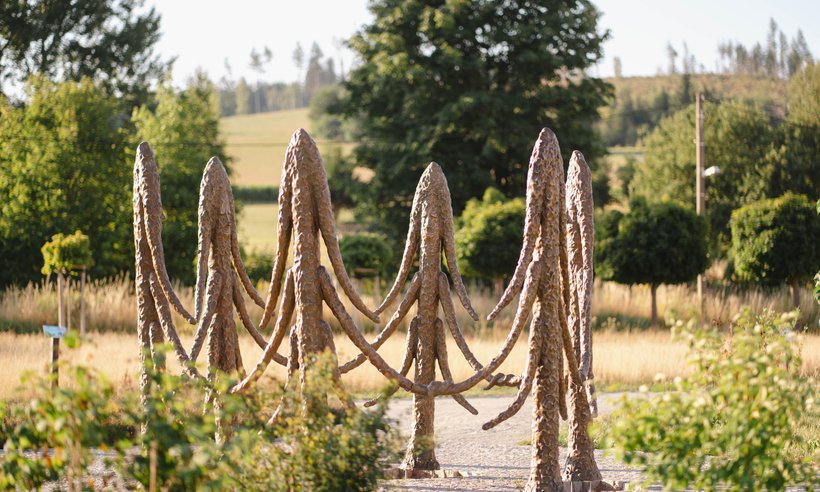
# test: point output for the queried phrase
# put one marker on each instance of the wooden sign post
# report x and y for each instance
(56, 333)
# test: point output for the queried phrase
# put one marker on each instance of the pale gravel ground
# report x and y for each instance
(495, 459)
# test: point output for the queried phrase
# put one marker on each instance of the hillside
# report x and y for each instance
(767, 91)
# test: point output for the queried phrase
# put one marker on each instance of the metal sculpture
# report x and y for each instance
(580, 464)
(155, 295)
(430, 232)
(221, 276)
(542, 279)
(306, 214)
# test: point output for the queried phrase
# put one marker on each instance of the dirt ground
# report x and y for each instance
(497, 459)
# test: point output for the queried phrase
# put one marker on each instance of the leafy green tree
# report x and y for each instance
(668, 170)
(323, 122)
(804, 96)
(184, 132)
(62, 168)
(66, 253)
(655, 243)
(775, 241)
(243, 97)
(109, 41)
(469, 84)
(488, 237)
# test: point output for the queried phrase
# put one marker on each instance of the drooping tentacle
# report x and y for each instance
(444, 365)
(202, 267)
(211, 294)
(239, 302)
(536, 349)
(149, 191)
(411, 297)
(525, 303)
(283, 232)
(239, 267)
(293, 366)
(546, 148)
(332, 300)
(410, 344)
(452, 265)
(282, 324)
(450, 317)
(410, 248)
(167, 324)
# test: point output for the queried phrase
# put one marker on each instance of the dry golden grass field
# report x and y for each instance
(622, 359)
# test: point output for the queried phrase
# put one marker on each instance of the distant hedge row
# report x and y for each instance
(256, 194)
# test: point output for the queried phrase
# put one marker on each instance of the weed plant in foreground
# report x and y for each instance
(742, 419)
(51, 437)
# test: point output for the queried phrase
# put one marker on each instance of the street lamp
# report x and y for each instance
(711, 171)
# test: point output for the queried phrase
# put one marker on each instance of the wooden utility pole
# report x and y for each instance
(699, 167)
(82, 302)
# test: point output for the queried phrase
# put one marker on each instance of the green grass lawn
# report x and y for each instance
(257, 226)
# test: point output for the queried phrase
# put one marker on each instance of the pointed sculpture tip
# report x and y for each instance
(578, 163)
(144, 150)
(215, 167)
(435, 174)
(547, 136)
(302, 136)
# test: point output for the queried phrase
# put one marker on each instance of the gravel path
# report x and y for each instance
(497, 459)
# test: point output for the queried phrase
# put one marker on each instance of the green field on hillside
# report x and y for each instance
(257, 142)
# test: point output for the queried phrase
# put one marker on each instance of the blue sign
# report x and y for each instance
(54, 331)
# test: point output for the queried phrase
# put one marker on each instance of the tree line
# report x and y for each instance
(240, 97)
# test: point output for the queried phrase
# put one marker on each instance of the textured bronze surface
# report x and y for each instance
(580, 464)
(306, 216)
(221, 276)
(430, 232)
(155, 295)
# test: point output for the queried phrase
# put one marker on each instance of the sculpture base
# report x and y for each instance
(398, 473)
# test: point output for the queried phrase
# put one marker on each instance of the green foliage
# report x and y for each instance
(733, 422)
(258, 264)
(110, 42)
(318, 449)
(183, 129)
(366, 252)
(63, 168)
(488, 235)
(655, 243)
(804, 96)
(52, 435)
(771, 160)
(775, 241)
(66, 253)
(323, 123)
(469, 84)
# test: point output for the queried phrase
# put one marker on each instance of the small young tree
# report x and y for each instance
(64, 255)
(657, 243)
(775, 241)
(488, 237)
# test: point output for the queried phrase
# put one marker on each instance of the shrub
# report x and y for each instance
(733, 421)
(366, 252)
(488, 237)
(775, 241)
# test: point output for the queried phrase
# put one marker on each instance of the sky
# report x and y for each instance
(202, 34)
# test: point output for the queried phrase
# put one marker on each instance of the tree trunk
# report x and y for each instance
(654, 289)
(82, 302)
(498, 287)
(794, 288)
